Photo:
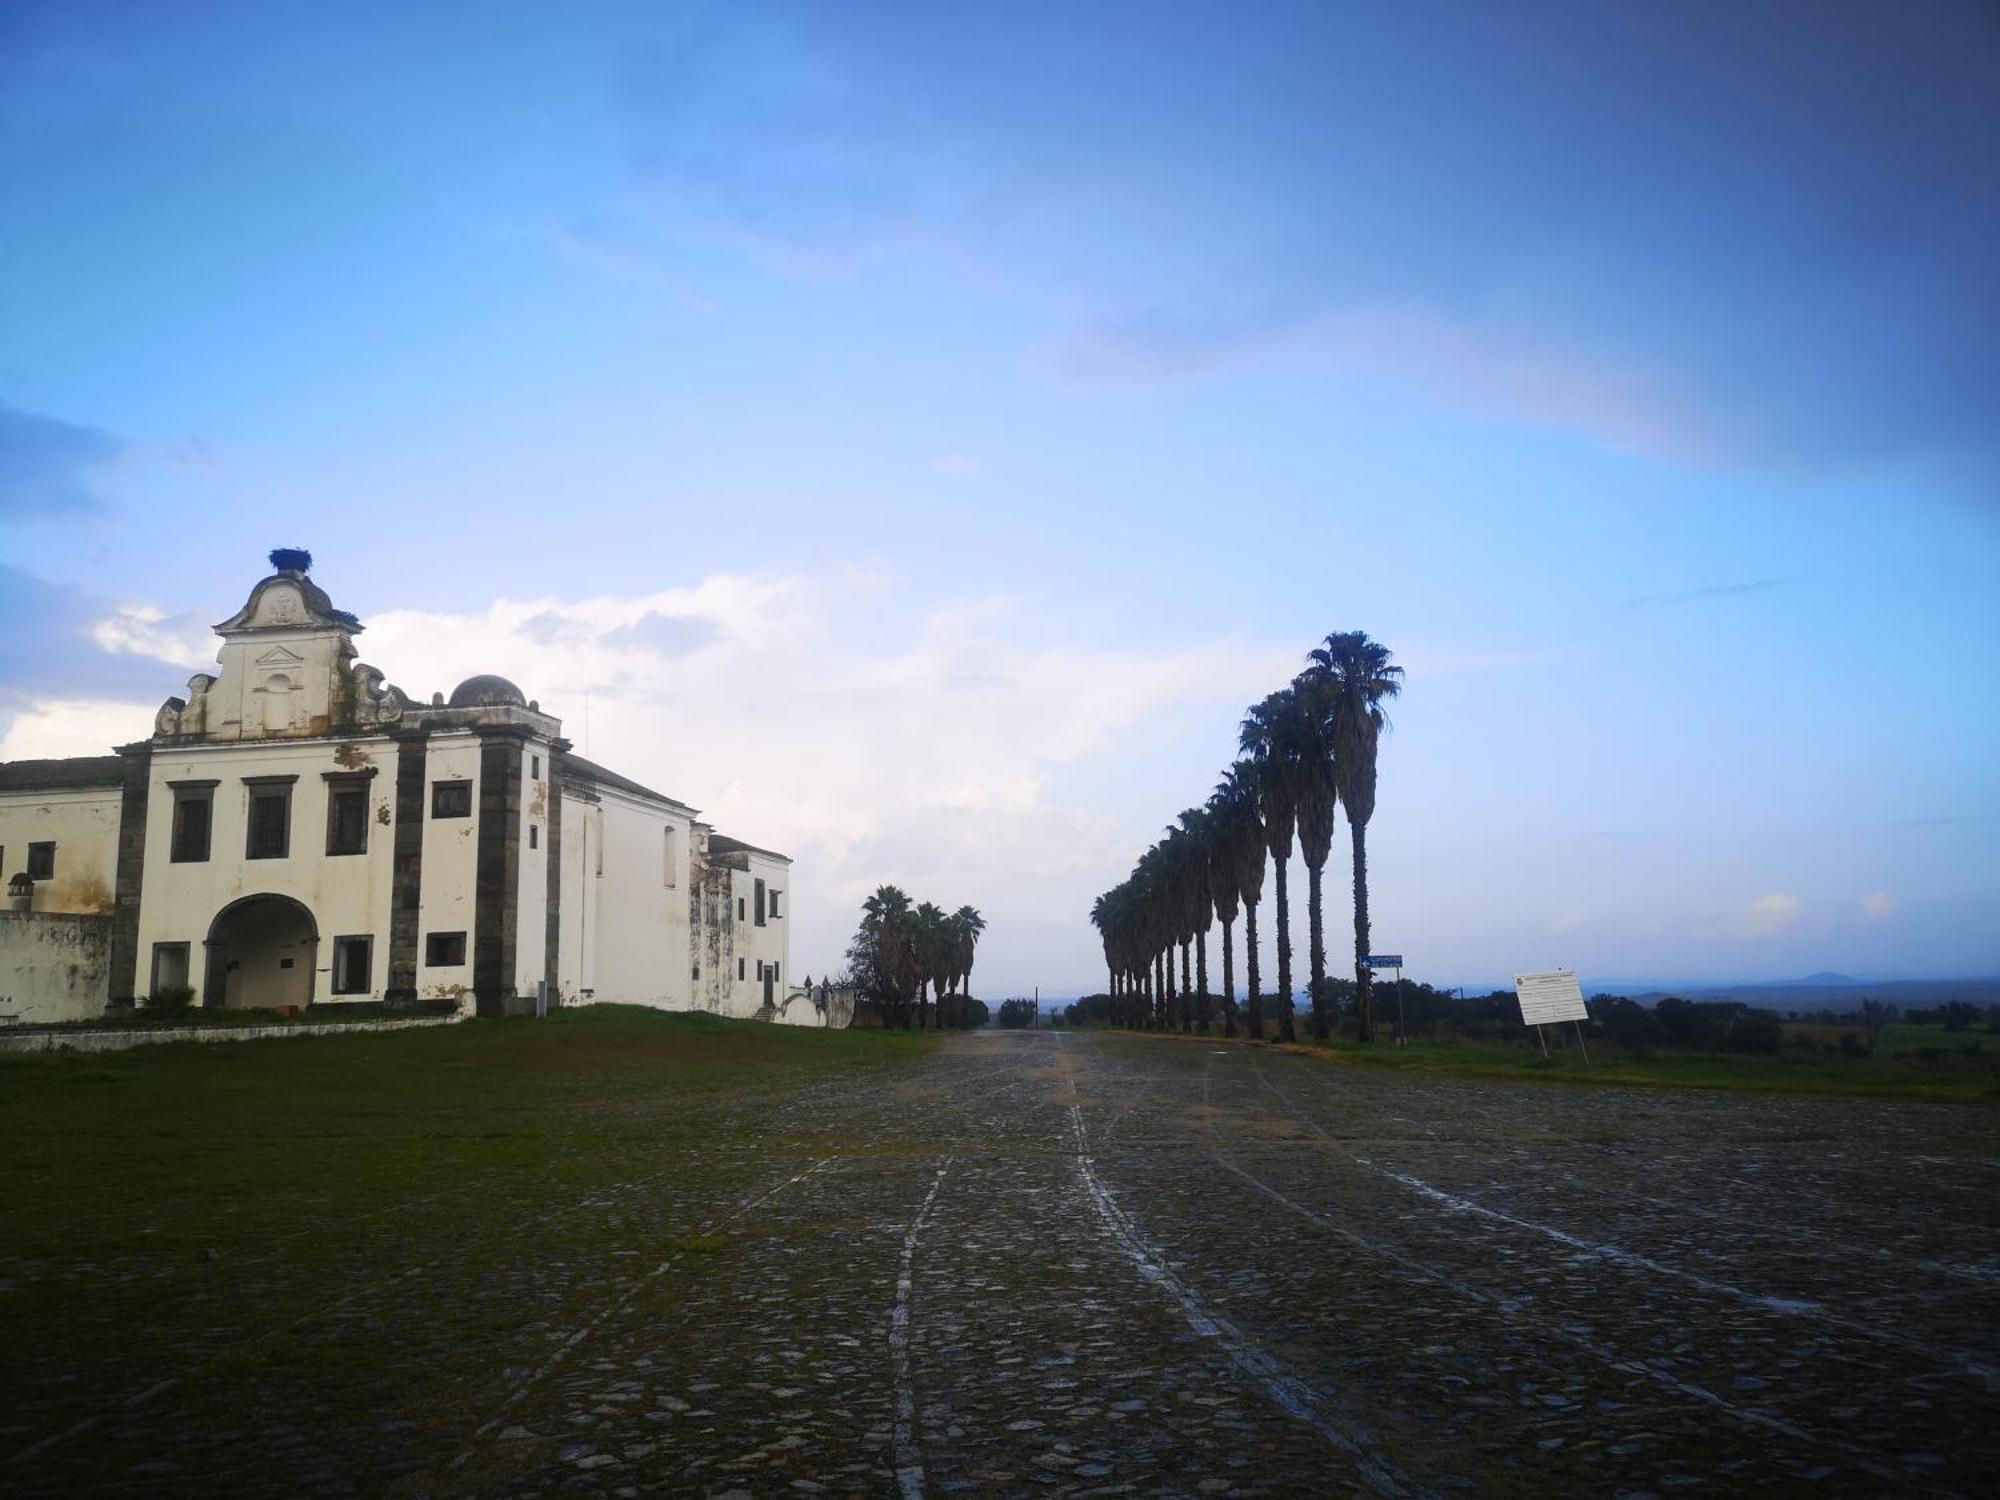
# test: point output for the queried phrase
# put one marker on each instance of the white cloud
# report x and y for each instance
(956, 464)
(1878, 907)
(1483, 367)
(143, 630)
(46, 729)
(870, 734)
(1770, 915)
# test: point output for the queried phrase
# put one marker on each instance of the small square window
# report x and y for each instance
(451, 799)
(270, 832)
(193, 817)
(170, 967)
(42, 861)
(444, 950)
(347, 820)
(351, 967)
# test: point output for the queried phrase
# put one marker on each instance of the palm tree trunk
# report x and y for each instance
(1286, 1033)
(1364, 977)
(1201, 981)
(1253, 1015)
(1159, 992)
(1228, 981)
(1317, 947)
(1187, 996)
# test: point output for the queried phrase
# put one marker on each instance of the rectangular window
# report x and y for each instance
(695, 972)
(534, 768)
(170, 967)
(194, 817)
(346, 819)
(739, 908)
(760, 903)
(351, 965)
(42, 861)
(775, 913)
(670, 862)
(739, 968)
(444, 950)
(534, 836)
(270, 835)
(451, 799)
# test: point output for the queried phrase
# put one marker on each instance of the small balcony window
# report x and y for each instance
(451, 799)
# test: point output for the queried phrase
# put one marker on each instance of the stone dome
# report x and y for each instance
(487, 691)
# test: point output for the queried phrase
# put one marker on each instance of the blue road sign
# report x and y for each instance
(1385, 960)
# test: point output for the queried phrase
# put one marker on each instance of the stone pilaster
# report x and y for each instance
(406, 872)
(131, 877)
(497, 885)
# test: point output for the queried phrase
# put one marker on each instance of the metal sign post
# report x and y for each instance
(1393, 961)
(1552, 997)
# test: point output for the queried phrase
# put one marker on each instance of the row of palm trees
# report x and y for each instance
(908, 954)
(1308, 750)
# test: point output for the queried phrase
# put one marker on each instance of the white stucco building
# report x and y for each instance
(296, 832)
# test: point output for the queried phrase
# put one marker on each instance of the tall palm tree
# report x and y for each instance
(1199, 828)
(1225, 890)
(1270, 737)
(1238, 795)
(966, 926)
(932, 940)
(1358, 675)
(887, 922)
(1318, 794)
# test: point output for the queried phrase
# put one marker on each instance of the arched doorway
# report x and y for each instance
(261, 952)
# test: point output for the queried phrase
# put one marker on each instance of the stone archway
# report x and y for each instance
(261, 953)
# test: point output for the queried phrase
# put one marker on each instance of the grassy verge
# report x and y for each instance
(1883, 1076)
(1871, 1077)
(180, 1149)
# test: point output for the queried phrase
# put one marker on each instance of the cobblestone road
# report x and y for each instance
(1055, 1264)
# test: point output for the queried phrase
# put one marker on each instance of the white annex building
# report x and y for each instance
(296, 832)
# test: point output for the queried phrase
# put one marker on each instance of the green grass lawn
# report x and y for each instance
(292, 1230)
(183, 1149)
(1880, 1076)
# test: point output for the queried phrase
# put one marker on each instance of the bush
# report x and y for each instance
(1852, 1047)
(170, 1003)
(1017, 1015)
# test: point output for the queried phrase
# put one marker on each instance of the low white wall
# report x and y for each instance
(119, 1038)
(54, 966)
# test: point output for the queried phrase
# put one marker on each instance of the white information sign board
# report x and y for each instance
(1550, 997)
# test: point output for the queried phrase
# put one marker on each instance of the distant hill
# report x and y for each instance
(1837, 992)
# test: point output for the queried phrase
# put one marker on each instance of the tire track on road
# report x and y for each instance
(1292, 1394)
(908, 1447)
(1632, 1263)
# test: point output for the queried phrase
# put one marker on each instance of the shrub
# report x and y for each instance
(1851, 1046)
(171, 1002)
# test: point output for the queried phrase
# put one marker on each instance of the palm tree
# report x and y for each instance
(889, 957)
(966, 926)
(931, 945)
(1238, 795)
(1200, 831)
(1357, 676)
(1318, 791)
(1270, 737)
(1225, 890)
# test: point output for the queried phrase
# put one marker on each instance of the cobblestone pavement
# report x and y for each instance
(1066, 1264)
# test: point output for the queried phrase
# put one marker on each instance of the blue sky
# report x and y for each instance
(915, 432)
